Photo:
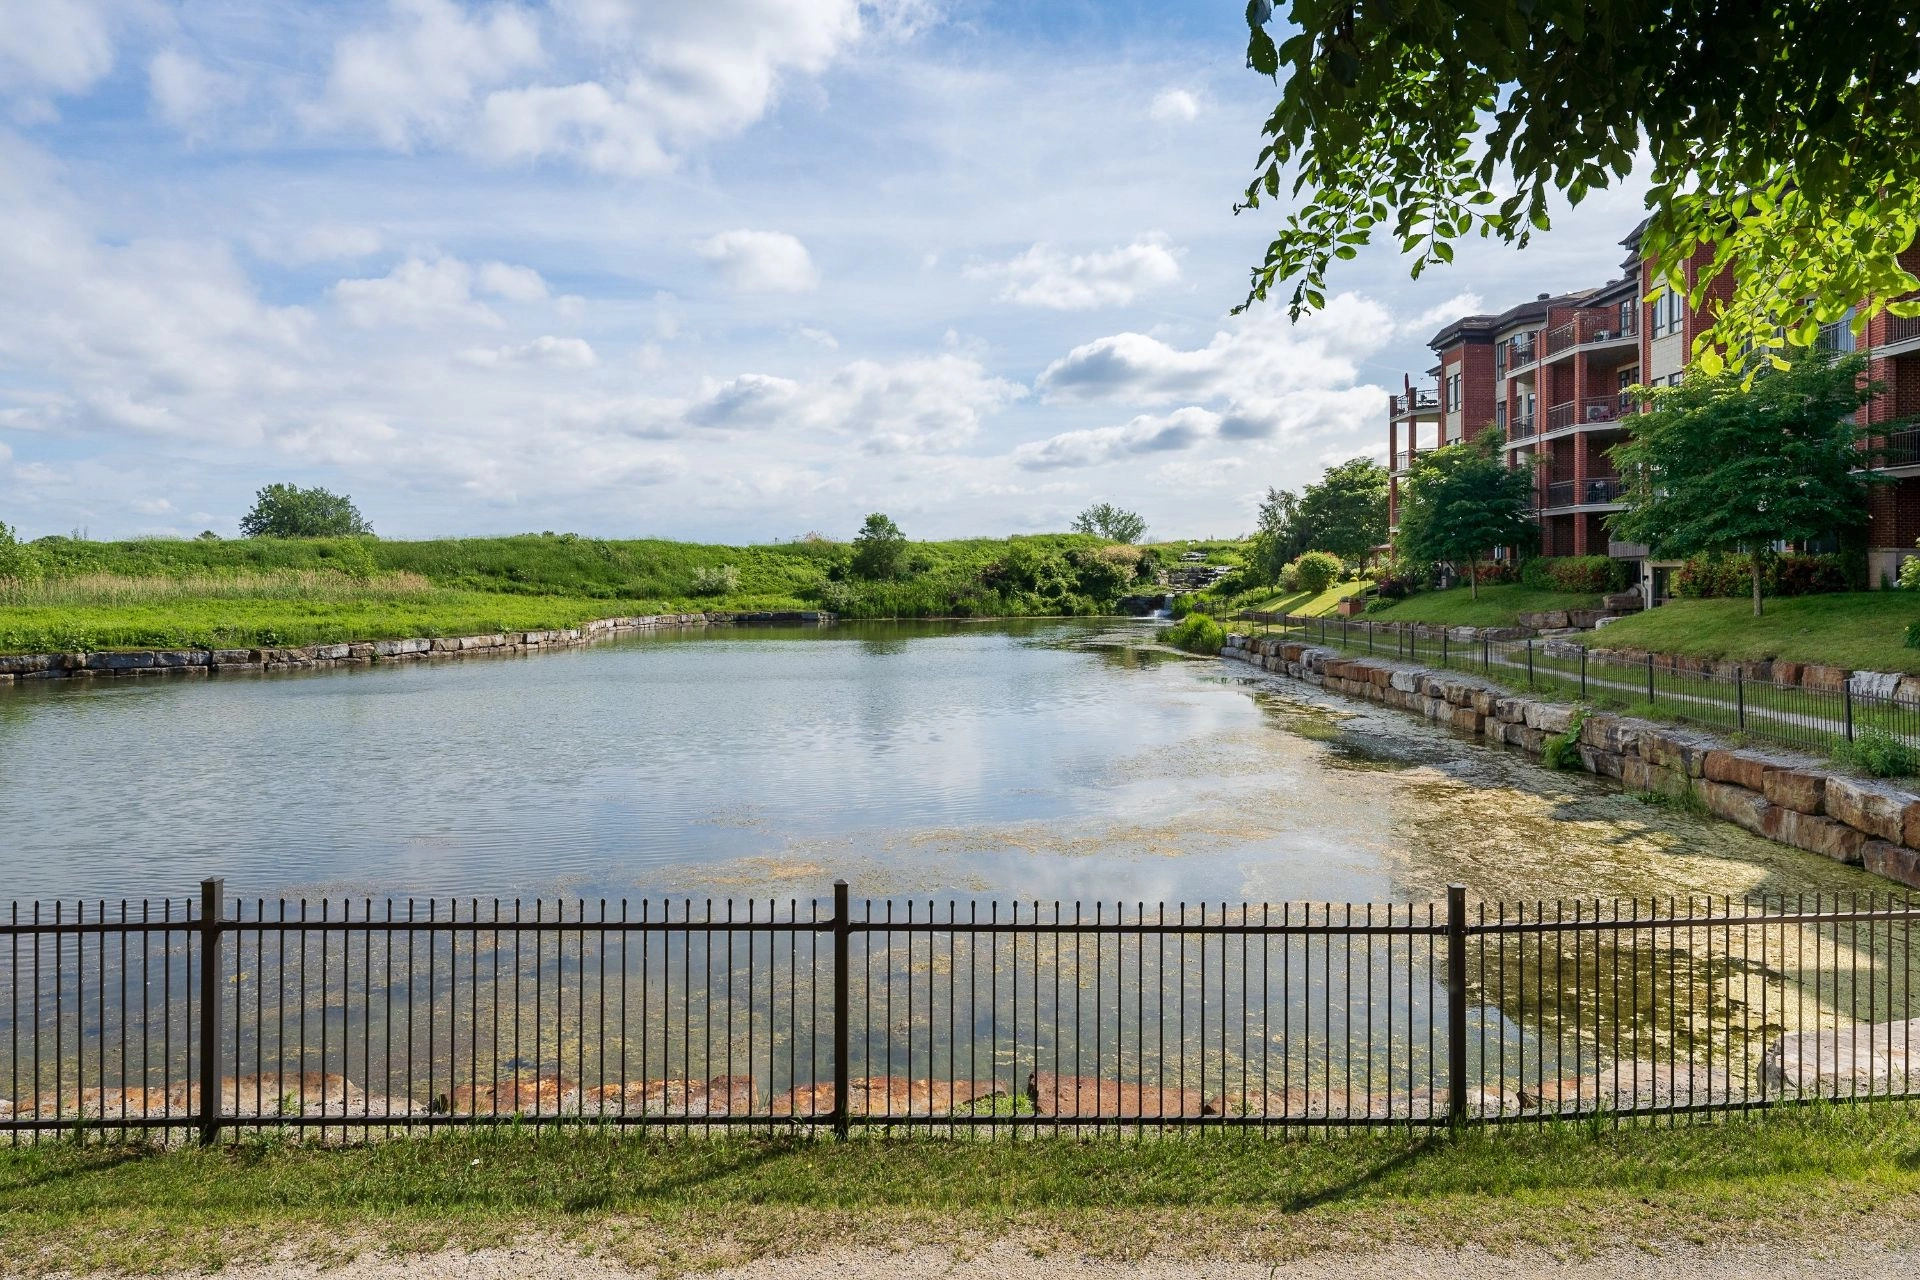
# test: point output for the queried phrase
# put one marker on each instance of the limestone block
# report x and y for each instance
(1895, 862)
(1483, 700)
(27, 663)
(125, 661)
(1740, 768)
(1737, 805)
(1406, 681)
(1533, 740)
(1609, 733)
(1796, 789)
(1824, 836)
(1548, 717)
(1873, 807)
(1379, 676)
(1825, 679)
(1466, 718)
(1512, 710)
(1683, 753)
(1864, 1058)
(1598, 760)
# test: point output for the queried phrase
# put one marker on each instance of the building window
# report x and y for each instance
(1669, 310)
(1500, 417)
(1453, 392)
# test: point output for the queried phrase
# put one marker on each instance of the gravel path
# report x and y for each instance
(1854, 1261)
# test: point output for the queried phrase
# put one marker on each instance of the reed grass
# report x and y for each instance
(91, 590)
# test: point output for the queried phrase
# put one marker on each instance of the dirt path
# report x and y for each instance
(1843, 1261)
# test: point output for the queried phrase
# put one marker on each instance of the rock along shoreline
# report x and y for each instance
(118, 663)
(1795, 799)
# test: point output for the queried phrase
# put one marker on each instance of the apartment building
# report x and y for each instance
(1552, 375)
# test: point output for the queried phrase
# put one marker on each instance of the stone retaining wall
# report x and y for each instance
(1795, 799)
(109, 664)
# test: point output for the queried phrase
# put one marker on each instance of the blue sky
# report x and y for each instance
(735, 270)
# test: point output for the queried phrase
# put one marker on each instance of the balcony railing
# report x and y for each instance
(1902, 449)
(1403, 460)
(1836, 337)
(1902, 329)
(1594, 491)
(1522, 427)
(1572, 413)
(1560, 415)
(1419, 400)
(1518, 351)
(1595, 326)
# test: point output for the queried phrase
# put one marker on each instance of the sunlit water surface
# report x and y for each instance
(1040, 760)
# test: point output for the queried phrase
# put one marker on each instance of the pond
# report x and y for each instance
(1039, 760)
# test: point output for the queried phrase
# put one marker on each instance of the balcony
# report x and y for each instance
(1583, 493)
(1418, 402)
(1518, 351)
(1402, 461)
(1571, 413)
(1522, 427)
(1902, 332)
(1589, 329)
(1902, 449)
(1836, 338)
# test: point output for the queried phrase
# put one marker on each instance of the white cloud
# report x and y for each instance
(515, 284)
(419, 291)
(818, 336)
(152, 506)
(1259, 380)
(1440, 314)
(1174, 106)
(546, 352)
(185, 92)
(1045, 277)
(931, 403)
(417, 78)
(56, 46)
(760, 261)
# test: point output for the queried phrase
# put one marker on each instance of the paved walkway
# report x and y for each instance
(1841, 1261)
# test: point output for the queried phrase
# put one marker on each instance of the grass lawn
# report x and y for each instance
(689, 1203)
(1305, 602)
(1863, 630)
(1498, 606)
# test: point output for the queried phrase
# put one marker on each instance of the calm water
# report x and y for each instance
(1039, 760)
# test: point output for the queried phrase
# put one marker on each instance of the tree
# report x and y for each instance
(1462, 501)
(18, 560)
(1718, 465)
(1346, 512)
(879, 548)
(1784, 138)
(288, 511)
(1276, 537)
(1105, 520)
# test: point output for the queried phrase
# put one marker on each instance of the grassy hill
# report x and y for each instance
(154, 593)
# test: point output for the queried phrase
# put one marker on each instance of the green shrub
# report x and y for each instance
(1582, 575)
(716, 580)
(1315, 571)
(352, 557)
(1196, 633)
(1562, 751)
(1725, 577)
(18, 560)
(1910, 573)
(1875, 751)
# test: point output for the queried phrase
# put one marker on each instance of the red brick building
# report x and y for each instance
(1552, 375)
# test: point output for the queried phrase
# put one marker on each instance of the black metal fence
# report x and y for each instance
(1794, 714)
(360, 1018)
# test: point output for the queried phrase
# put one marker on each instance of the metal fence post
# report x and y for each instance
(842, 931)
(1649, 678)
(1529, 664)
(213, 895)
(1369, 637)
(1846, 695)
(1486, 655)
(1456, 1004)
(1583, 673)
(1740, 695)
(1443, 647)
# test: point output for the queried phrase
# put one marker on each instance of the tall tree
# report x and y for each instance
(1462, 501)
(1105, 520)
(1346, 512)
(288, 511)
(1716, 465)
(1784, 137)
(1277, 537)
(879, 548)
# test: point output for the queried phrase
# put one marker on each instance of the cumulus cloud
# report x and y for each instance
(1174, 106)
(1440, 314)
(760, 261)
(545, 352)
(418, 75)
(428, 291)
(1258, 380)
(57, 46)
(663, 77)
(930, 403)
(326, 243)
(1045, 277)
